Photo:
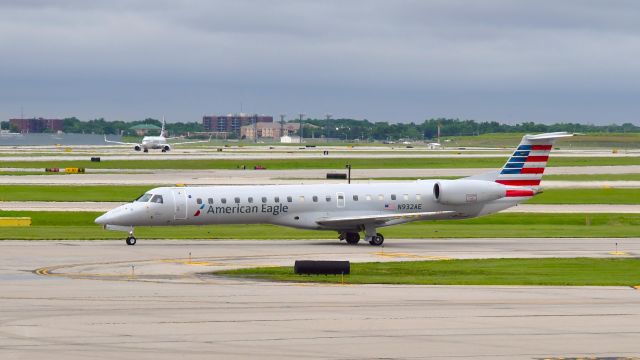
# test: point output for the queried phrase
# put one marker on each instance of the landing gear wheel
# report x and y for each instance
(131, 240)
(377, 240)
(146, 150)
(352, 238)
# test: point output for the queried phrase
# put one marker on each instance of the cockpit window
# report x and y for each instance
(144, 198)
(157, 199)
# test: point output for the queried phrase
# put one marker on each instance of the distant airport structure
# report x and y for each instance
(37, 125)
(232, 123)
(268, 130)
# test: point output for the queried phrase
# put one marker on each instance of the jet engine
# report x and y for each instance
(462, 192)
(137, 148)
(166, 148)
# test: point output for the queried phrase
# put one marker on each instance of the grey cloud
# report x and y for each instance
(383, 60)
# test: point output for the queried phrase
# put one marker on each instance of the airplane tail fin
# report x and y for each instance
(162, 129)
(527, 163)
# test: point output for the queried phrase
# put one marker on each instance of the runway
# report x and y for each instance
(86, 300)
(307, 176)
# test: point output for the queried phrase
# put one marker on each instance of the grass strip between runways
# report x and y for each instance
(541, 271)
(53, 225)
(122, 193)
(322, 163)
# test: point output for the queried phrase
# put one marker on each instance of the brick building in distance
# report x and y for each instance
(232, 123)
(38, 125)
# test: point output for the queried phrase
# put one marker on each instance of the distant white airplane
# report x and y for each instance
(155, 142)
(346, 208)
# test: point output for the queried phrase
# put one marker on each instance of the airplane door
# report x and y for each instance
(179, 203)
(340, 199)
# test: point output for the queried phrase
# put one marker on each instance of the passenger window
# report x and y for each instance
(223, 200)
(355, 197)
(264, 199)
(393, 196)
(328, 198)
(301, 198)
(199, 201)
(418, 196)
(276, 199)
(340, 197)
(315, 198)
(368, 197)
(157, 199)
(210, 200)
(289, 199)
(405, 196)
(237, 200)
(250, 199)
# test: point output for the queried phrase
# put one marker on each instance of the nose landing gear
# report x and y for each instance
(131, 240)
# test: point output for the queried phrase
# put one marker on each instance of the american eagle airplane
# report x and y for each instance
(346, 208)
(154, 142)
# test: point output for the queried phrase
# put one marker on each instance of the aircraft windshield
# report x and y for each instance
(144, 198)
(157, 199)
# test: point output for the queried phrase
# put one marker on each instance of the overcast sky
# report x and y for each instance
(508, 61)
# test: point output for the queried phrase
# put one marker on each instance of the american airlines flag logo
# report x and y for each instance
(197, 213)
(389, 207)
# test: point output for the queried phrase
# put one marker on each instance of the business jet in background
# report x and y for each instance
(348, 209)
(155, 142)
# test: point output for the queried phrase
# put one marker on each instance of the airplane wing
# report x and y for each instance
(189, 142)
(348, 221)
(118, 142)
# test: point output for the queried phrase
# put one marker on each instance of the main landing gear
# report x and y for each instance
(352, 238)
(131, 240)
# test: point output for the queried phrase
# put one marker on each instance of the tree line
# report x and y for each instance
(363, 129)
(350, 129)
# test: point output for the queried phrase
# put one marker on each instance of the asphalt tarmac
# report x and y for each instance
(103, 299)
(308, 176)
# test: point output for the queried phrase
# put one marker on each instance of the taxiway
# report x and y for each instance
(102, 299)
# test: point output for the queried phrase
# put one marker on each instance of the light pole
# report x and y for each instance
(282, 124)
(326, 125)
(301, 127)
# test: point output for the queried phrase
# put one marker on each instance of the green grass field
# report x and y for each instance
(597, 140)
(613, 196)
(79, 225)
(326, 163)
(576, 177)
(128, 193)
(552, 271)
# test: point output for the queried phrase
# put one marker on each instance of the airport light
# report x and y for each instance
(348, 166)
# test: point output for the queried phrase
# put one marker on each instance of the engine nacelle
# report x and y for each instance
(166, 148)
(137, 148)
(463, 192)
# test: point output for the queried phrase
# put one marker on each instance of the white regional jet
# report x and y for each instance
(154, 142)
(346, 208)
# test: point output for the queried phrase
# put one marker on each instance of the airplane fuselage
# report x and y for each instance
(299, 206)
(155, 142)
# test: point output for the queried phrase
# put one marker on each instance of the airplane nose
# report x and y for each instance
(103, 219)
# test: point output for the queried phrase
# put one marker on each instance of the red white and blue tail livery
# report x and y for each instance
(349, 209)
(527, 163)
